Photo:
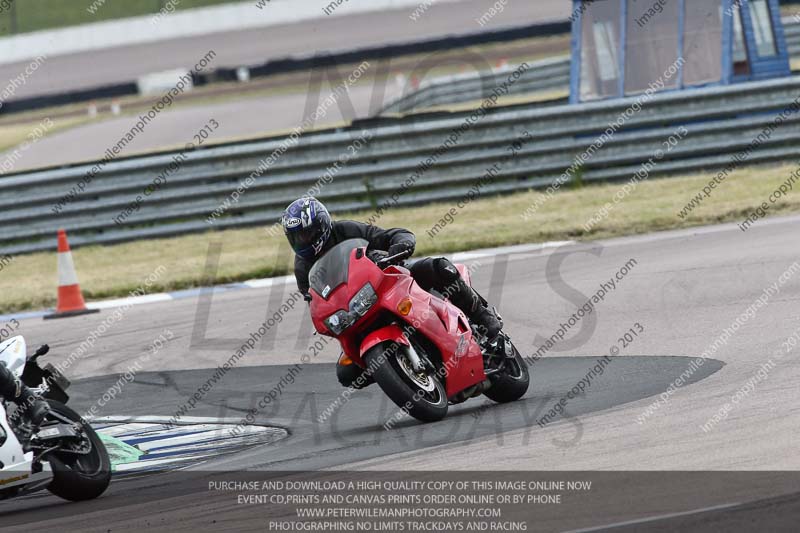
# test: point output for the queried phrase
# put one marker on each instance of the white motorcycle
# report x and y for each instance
(64, 454)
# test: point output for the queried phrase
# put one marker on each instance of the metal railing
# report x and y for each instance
(721, 121)
(546, 75)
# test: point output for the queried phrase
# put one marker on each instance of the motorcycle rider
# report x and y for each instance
(311, 232)
(28, 403)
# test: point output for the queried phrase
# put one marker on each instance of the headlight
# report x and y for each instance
(338, 322)
(359, 305)
(363, 300)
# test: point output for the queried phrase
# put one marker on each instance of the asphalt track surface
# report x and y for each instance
(257, 46)
(246, 117)
(265, 107)
(687, 286)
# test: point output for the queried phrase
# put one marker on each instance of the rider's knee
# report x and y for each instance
(446, 270)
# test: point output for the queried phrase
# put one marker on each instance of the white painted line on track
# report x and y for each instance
(654, 518)
(119, 302)
(517, 249)
(267, 282)
(685, 233)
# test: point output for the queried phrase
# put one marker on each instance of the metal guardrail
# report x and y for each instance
(721, 121)
(548, 75)
(791, 30)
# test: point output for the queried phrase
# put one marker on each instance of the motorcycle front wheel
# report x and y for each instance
(421, 395)
(78, 477)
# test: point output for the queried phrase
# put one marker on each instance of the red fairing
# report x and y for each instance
(361, 271)
(438, 320)
(446, 326)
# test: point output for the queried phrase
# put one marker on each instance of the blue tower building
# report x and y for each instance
(624, 47)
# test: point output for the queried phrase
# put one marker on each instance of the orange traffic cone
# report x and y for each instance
(70, 299)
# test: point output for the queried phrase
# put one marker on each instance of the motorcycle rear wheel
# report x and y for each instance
(512, 383)
(423, 397)
(79, 477)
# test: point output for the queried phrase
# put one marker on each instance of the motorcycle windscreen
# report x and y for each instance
(13, 352)
(331, 270)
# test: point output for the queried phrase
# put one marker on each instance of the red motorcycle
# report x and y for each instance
(420, 348)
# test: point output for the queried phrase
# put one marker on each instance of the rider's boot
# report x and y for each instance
(29, 404)
(468, 300)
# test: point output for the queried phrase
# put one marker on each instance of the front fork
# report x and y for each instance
(414, 358)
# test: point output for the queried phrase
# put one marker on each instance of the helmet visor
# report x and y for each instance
(302, 239)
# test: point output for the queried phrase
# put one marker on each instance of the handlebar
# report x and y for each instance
(386, 261)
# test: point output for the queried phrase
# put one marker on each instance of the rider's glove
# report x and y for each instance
(400, 247)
